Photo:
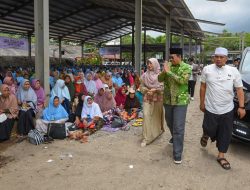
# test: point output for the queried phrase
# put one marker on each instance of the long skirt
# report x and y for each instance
(5, 129)
(42, 125)
(153, 121)
(25, 122)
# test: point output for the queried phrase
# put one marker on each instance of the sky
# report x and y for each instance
(234, 13)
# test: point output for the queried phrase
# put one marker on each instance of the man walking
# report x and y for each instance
(193, 77)
(216, 101)
(175, 76)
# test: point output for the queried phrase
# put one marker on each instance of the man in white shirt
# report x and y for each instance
(216, 101)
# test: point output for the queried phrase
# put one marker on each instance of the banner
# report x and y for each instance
(6, 42)
(109, 51)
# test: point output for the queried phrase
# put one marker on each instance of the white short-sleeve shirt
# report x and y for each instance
(219, 87)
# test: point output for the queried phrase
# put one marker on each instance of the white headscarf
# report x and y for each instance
(90, 85)
(90, 109)
(60, 90)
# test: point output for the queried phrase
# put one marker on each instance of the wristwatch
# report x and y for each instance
(242, 107)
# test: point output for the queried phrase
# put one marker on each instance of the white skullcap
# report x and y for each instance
(221, 51)
(105, 86)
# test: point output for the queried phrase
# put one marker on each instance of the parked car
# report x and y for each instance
(241, 127)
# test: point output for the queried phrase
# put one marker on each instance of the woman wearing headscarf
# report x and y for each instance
(79, 107)
(91, 115)
(11, 83)
(80, 87)
(40, 93)
(106, 79)
(70, 85)
(131, 106)
(90, 85)
(153, 119)
(27, 100)
(125, 78)
(105, 100)
(120, 97)
(97, 80)
(54, 113)
(8, 107)
(131, 79)
(62, 92)
(131, 103)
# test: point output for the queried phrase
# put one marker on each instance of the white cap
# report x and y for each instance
(221, 51)
(131, 90)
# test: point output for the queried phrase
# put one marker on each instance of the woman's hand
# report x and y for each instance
(77, 121)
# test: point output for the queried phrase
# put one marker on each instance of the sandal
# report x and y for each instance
(225, 165)
(21, 139)
(204, 140)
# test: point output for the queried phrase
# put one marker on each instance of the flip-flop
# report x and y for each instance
(204, 140)
(225, 165)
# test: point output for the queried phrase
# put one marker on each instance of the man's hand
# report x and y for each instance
(202, 107)
(241, 112)
(166, 67)
(1, 111)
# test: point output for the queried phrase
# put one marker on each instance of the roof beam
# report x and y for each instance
(91, 6)
(90, 25)
(198, 20)
(107, 31)
(16, 8)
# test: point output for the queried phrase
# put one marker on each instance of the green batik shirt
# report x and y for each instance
(176, 84)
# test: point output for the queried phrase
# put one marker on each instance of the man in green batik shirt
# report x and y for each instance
(175, 76)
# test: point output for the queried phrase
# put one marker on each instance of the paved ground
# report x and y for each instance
(104, 163)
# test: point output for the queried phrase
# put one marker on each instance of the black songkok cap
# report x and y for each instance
(177, 51)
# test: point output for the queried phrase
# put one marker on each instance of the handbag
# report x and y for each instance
(35, 137)
(117, 122)
(57, 130)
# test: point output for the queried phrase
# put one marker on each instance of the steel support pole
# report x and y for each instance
(182, 42)
(190, 46)
(120, 50)
(168, 37)
(41, 21)
(144, 47)
(60, 49)
(29, 45)
(138, 31)
(82, 49)
(133, 46)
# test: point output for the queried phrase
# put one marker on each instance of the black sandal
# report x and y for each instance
(225, 165)
(204, 140)
(21, 139)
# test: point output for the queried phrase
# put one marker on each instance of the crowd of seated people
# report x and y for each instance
(81, 96)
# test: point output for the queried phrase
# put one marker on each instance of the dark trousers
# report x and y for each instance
(219, 128)
(66, 105)
(25, 122)
(175, 117)
(5, 129)
(191, 87)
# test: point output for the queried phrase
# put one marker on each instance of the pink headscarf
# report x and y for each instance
(40, 93)
(150, 78)
(10, 82)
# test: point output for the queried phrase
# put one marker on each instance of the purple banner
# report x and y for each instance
(109, 51)
(6, 42)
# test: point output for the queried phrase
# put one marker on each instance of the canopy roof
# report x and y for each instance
(97, 21)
